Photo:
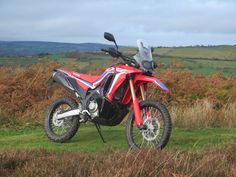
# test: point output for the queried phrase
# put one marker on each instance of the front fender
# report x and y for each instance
(151, 79)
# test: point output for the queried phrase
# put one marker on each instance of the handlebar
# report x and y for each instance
(116, 54)
(104, 50)
(113, 52)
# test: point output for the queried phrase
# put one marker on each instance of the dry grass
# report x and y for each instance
(202, 114)
(25, 92)
(131, 163)
(194, 100)
(186, 89)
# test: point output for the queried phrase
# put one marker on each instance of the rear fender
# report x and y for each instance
(147, 79)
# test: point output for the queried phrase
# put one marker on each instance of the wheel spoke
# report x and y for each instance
(154, 121)
(62, 126)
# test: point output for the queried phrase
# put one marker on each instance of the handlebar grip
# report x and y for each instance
(104, 50)
(112, 52)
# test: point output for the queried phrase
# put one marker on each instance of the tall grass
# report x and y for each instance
(25, 92)
(132, 163)
(202, 114)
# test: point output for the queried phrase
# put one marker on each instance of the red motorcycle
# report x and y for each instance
(108, 98)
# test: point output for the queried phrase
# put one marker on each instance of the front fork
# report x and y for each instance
(147, 112)
(136, 107)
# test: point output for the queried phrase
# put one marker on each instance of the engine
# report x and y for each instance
(93, 108)
(102, 110)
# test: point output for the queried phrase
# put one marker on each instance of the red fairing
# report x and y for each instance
(139, 80)
(145, 79)
(126, 69)
(85, 77)
(121, 72)
(87, 81)
(118, 80)
(79, 76)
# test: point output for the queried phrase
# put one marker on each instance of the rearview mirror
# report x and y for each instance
(109, 37)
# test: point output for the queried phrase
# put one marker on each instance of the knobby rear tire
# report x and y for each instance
(48, 119)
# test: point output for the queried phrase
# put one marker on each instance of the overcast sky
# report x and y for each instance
(160, 22)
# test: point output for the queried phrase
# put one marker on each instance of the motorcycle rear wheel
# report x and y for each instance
(157, 121)
(61, 130)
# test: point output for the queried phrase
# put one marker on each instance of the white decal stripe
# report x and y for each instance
(99, 80)
(93, 85)
(114, 82)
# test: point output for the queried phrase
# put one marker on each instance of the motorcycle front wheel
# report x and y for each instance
(61, 130)
(157, 123)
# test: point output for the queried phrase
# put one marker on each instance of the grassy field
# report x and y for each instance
(190, 152)
(198, 66)
(201, 107)
(87, 139)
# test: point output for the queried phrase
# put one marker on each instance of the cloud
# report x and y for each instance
(169, 22)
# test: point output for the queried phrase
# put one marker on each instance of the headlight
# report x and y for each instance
(148, 65)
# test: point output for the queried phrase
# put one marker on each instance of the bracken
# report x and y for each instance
(201, 100)
(132, 163)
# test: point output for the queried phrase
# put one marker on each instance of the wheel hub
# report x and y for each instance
(153, 129)
(56, 122)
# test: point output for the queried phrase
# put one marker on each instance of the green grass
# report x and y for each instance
(205, 67)
(220, 52)
(87, 139)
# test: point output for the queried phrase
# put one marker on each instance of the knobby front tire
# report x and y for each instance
(157, 119)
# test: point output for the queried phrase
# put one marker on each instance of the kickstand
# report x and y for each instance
(99, 131)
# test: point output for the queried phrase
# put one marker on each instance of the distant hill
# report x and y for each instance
(29, 48)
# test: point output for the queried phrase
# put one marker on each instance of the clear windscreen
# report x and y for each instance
(144, 55)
